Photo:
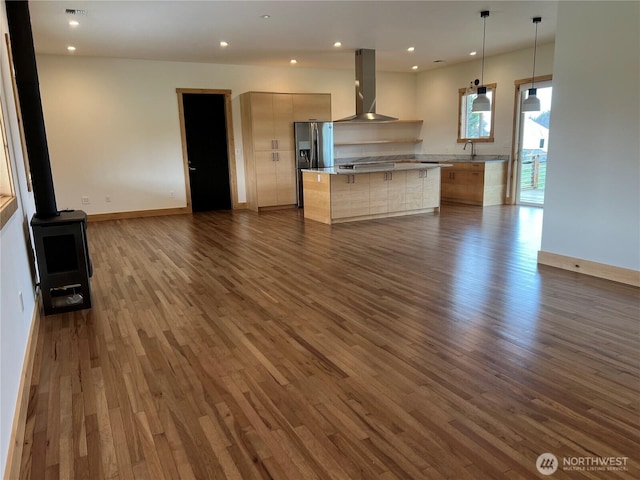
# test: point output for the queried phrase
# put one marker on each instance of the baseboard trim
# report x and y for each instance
(276, 207)
(587, 267)
(16, 446)
(100, 217)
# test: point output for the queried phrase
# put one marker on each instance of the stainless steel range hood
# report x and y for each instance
(366, 89)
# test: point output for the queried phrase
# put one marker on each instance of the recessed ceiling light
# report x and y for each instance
(415, 67)
(473, 53)
(224, 44)
(411, 49)
(265, 16)
(293, 61)
(71, 48)
(74, 23)
(337, 44)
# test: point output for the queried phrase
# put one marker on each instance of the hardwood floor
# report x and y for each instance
(246, 346)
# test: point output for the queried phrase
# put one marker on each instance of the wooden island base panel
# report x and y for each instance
(335, 196)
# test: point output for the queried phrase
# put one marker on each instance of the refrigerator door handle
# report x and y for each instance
(313, 161)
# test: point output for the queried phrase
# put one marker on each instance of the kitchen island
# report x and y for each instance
(368, 191)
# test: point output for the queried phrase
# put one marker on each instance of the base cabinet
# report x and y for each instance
(388, 192)
(269, 151)
(378, 203)
(422, 189)
(475, 183)
(350, 195)
(431, 188)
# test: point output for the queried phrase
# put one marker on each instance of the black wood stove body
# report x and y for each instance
(64, 264)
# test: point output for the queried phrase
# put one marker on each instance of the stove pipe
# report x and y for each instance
(24, 62)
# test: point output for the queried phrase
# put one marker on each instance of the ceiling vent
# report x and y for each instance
(74, 11)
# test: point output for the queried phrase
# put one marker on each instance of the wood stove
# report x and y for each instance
(60, 238)
(64, 266)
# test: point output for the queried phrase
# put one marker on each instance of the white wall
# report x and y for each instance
(113, 125)
(592, 199)
(15, 266)
(437, 98)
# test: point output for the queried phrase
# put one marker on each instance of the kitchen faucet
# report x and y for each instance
(473, 151)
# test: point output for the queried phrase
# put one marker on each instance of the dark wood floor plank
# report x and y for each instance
(245, 346)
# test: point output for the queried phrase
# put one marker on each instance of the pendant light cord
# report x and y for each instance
(535, 48)
(484, 35)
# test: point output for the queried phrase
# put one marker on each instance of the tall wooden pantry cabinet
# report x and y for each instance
(269, 150)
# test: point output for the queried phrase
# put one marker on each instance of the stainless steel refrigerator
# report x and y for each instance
(314, 149)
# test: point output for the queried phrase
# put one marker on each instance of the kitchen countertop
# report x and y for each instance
(377, 167)
(468, 160)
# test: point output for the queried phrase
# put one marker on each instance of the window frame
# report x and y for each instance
(463, 93)
(8, 199)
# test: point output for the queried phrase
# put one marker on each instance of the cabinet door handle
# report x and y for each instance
(390, 175)
(277, 156)
(276, 144)
(273, 156)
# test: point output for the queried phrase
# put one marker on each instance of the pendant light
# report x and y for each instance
(482, 102)
(532, 103)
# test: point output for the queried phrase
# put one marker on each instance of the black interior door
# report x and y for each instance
(206, 138)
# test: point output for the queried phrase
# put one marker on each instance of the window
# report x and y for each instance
(476, 126)
(8, 201)
(23, 144)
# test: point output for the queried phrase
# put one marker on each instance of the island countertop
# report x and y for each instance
(376, 167)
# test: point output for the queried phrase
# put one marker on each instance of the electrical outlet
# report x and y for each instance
(107, 199)
(172, 194)
(21, 301)
(85, 200)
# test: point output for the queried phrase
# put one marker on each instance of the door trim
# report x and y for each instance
(512, 170)
(231, 151)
